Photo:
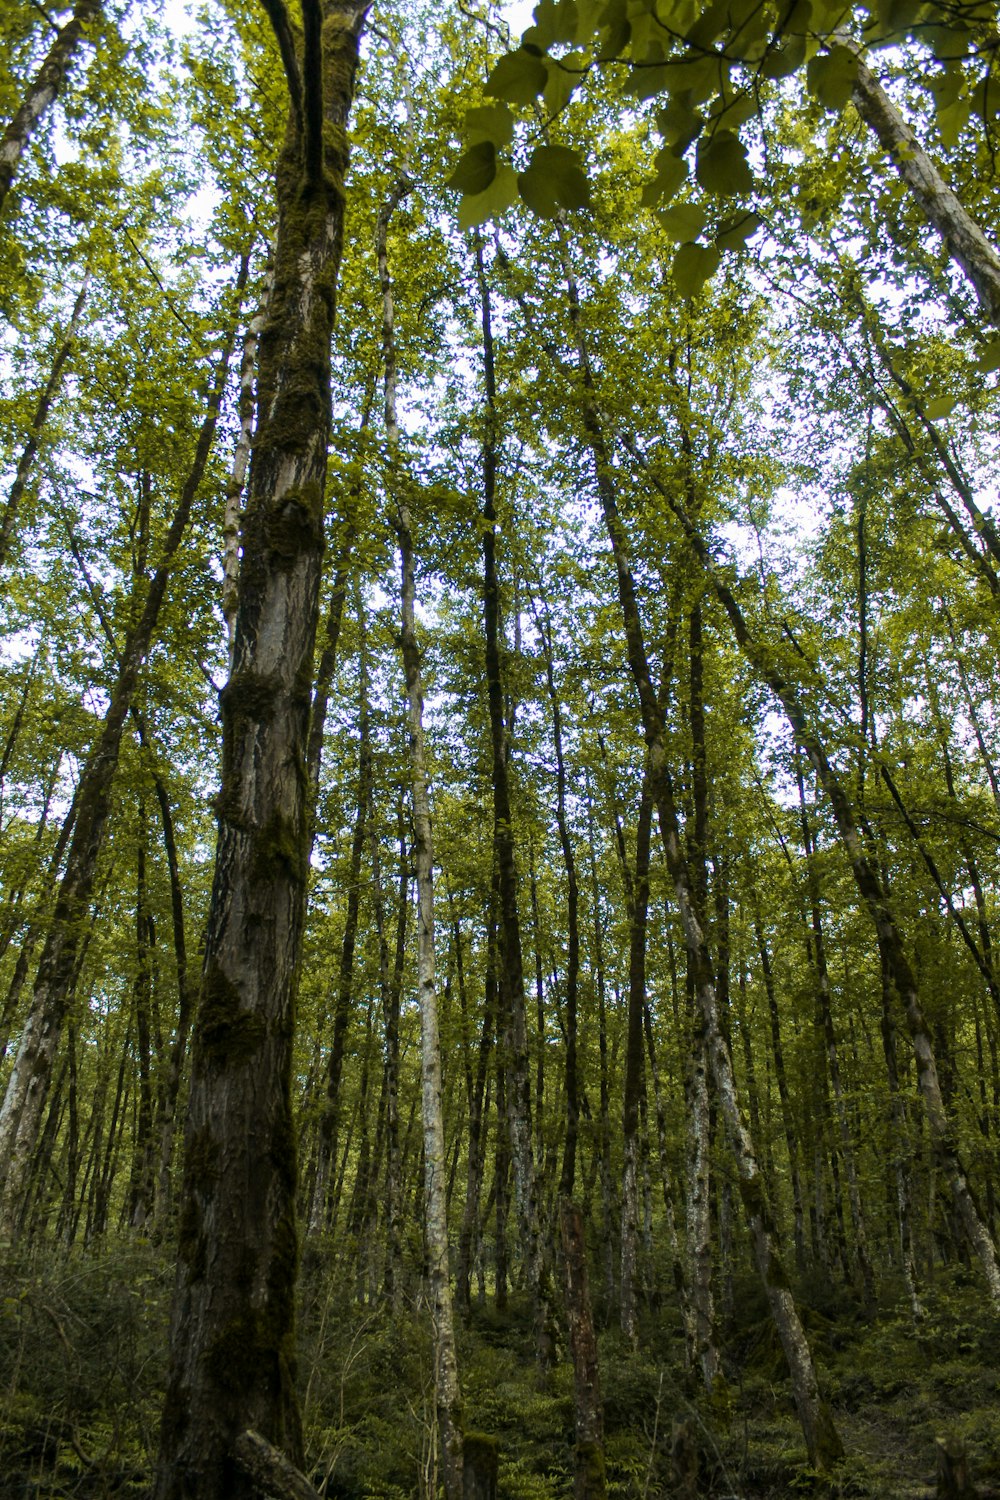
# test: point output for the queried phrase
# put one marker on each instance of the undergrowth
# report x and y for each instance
(82, 1366)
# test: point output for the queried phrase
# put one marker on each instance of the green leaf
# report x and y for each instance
(941, 406)
(647, 82)
(734, 112)
(692, 266)
(564, 76)
(831, 77)
(736, 230)
(779, 62)
(678, 124)
(677, 15)
(952, 120)
(554, 179)
(476, 169)
(490, 122)
(894, 18)
(684, 221)
(555, 21)
(722, 165)
(989, 357)
(518, 76)
(671, 171)
(496, 199)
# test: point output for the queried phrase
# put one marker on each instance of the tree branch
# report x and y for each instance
(282, 27)
(312, 80)
(270, 1470)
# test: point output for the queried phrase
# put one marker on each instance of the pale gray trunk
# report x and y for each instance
(26, 463)
(448, 1395)
(42, 91)
(965, 241)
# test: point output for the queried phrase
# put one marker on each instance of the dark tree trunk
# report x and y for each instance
(588, 1470)
(518, 1078)
(232, 1341)
(8, 517)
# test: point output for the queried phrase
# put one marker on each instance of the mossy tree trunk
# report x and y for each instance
(588, 1472)
(232, 1348)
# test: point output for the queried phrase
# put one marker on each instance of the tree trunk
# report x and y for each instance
(516, 1038)
(232, 1342)
(588, 1472)
(24, 1101)
(447, 1392)
(635, 1079)
(246, 407)
(822, 1441)
(8, 518)
(964, 240)
(326, 1156)
(43, 89)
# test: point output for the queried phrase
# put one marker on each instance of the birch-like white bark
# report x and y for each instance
(963, 238)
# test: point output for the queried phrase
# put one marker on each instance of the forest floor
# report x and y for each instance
(82, 1347)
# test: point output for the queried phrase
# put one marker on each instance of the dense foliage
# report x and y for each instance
(664, 367)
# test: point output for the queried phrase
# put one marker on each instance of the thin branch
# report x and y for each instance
(281, 25)
(312, 88)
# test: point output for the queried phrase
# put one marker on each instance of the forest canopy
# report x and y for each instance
(499, 804)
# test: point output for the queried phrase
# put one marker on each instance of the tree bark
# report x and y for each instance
(635, 1079)
(20, 1116)
(516, 1038)
(964, 240)
(588, 1470)
(447, 1391)
(822, 1441)
(43, 90)
(232, 1344)
(8, 518)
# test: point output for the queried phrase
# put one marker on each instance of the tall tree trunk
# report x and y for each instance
(43, 90)
(824, 1005)
(20, 1116)
(822, 1441)
(246, 407)
(701, 1302)
(516, 1063)
(447, 1391)
(572, 1101)
(232, 1342)
(964, 240)
(588, 1468)
(8, 517)
(635, 1078)
(326, 1157)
